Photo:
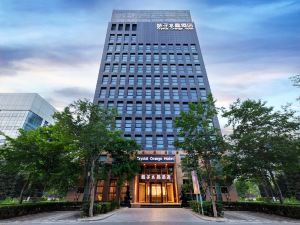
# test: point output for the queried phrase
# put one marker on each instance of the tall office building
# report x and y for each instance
(23, 110)
(151, 69)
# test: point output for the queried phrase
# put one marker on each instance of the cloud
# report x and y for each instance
(74, 92)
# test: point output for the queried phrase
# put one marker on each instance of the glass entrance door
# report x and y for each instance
(156, 193)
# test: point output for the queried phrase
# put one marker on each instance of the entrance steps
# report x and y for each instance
(155, 205)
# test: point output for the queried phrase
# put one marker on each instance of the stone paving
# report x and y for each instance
(150, 216)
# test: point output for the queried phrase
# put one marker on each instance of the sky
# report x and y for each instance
(53, 47)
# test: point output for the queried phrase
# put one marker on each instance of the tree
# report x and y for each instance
(39, 157)
(296, 82)
(201, 139)
(124, 165)
(91, 130)
(262, 141)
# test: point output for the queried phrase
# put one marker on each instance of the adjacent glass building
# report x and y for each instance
(151, 68)
(23, 110)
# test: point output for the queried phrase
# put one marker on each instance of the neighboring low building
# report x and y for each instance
(23, 110)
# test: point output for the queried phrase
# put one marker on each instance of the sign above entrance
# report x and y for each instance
(174, 26)
(156, 158)
(156, 177)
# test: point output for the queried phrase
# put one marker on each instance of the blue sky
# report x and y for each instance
(53, 47)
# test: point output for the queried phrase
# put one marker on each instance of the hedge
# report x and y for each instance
(99, 208)
(9, 211)
(207, 208)
(292, 211)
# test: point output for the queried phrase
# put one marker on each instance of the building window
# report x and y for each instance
(118, 123)
(158, 124)
(106, 68)
(181, 69)
(148, 124)
(164, 57)
(173, 69)
(128, 125)
(129, 108)
(139, 80)
(200, 81)
(194, 94)
(117, 57)
(185, 107)
(148, 80)
(140, 57)
(148, 68)
(125, 47)
(138, 139)
(133, 38)
(126, 37)
(124, 57)
(112, 93)
(123, 68)
(157, 94)
(157, 81)
(139, 108)
(174, 81)
(133, 47)
(113, 80)
(138, 125)
(134, 27)
(115, 68)
(172, 57)
(155, 47)
(166, 80)
(148, 142)
(175, 93)
(198, 69)
(131, 68)
(192, 81)
(102, 93)
(105, 80)
(130, 93)
(108, 57)
(148, 108)
(176, 108)
(165, 69)
(131, 80)
(119, 38)
(193, 47)
(169, 125)
(170, 140)
(203, 94)
(112, 190)
(185, 48)
(139, 93)
(112, 38)
(156, 57)
(159, 142)
(140, 68)
(179, 58)
(171, 47)
(140, 47)
(163, 47)
(120, 107)
(118, 47)
(178, 47)
(132, 57)
(121, 93)
(166, 94)
(148, 57)
(122, 80)
(148, 93)
(184, 94)
(167, 108)
(157, 108)
(182, 81)
(189, 69)
(113, 26)
(148, 47)
(187, 58)
(156, 69)
(110, 47)
(195, 57)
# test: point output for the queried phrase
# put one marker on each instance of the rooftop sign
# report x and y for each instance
(174, 26)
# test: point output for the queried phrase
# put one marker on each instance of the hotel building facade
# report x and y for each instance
(151, 68)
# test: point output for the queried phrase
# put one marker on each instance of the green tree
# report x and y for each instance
(296, 82)
(39, 157)
(262, 141)
(201, 139)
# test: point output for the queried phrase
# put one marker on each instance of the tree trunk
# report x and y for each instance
(118, 194)
(211, 192)
(277, 187)
(92, 188)
(23, 190)
(86, 183)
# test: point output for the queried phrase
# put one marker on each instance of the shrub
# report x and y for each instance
(292, 211)
(8, 211)
(99, 208)
(207, 208)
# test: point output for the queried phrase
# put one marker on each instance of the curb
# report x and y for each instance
(206, 218)
(101, 216)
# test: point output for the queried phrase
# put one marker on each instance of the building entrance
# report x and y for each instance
(156, 185)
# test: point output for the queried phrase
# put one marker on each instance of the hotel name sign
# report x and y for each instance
(156, 158)
(175, 26)
(155, 177)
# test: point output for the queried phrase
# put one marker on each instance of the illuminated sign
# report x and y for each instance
(156, 177)
(155, 158)
(174, 26)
